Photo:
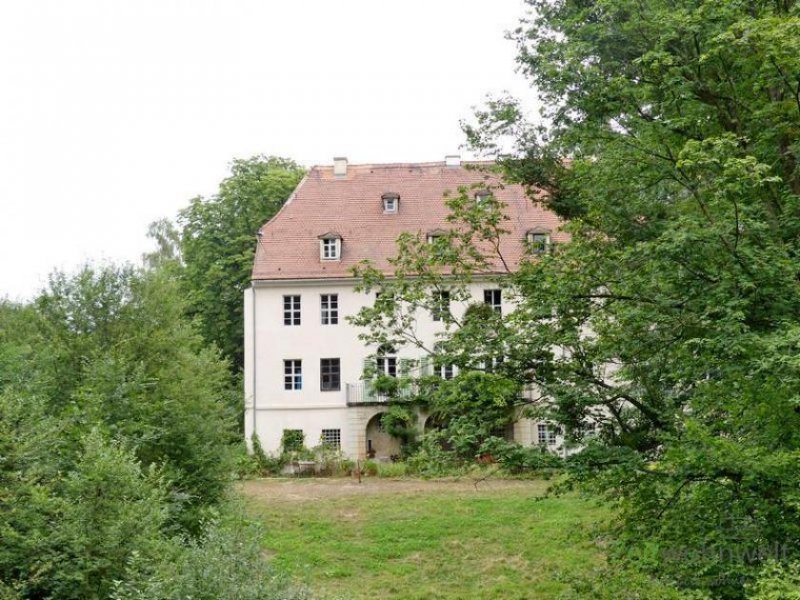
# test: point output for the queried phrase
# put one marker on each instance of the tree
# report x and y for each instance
(218, 241)
(669, 140)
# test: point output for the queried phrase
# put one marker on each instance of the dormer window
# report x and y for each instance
(436, 234)
(391, 202)
(481, 197)
(330, 246)
(538, 241)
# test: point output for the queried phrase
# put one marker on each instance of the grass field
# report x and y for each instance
(425, 539)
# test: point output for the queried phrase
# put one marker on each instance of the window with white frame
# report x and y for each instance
(539, 242)
(292, 374)
(291, 310)
(331, 438)
(441, 306)
(329, 309)
(444, 369)
(385, 363)
(330, 248)
(546, 434)
(330, 374)
(481, 197)
(494, 298)
(391, 202)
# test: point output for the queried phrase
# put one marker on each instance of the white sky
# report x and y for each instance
(114, 113)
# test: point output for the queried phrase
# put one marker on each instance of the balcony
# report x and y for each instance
(364, 394)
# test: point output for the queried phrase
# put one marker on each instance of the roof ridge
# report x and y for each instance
(401, 165)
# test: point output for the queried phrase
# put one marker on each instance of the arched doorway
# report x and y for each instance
(380, 445)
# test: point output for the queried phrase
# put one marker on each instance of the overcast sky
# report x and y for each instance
(114, 113)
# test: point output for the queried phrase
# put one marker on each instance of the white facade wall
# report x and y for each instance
(269, 408)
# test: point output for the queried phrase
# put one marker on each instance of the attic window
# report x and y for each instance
(391, 202)
(330, 246)
(539, 241)
(436, 234)
(481, 196)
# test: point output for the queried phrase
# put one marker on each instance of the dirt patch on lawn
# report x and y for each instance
(311, 489)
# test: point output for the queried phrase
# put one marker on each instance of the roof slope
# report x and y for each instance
(351, 206)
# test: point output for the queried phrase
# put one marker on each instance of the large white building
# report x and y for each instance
(303, 361)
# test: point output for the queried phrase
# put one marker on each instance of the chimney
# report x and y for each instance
(452, 160)
(340, 166)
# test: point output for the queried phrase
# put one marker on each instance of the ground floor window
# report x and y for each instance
(546, 434)
(332, 438)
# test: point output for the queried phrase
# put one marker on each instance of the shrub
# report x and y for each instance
(266, 465)
(292, 440)
(392, 470)
(370, 468)
(515, 458)
(776, 582)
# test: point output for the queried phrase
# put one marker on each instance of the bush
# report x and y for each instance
(266, 464)
(292, 440)
(370, 468)
(776, 582)
(515, 458)
(431, 460)
(392, 470)
(227, 563)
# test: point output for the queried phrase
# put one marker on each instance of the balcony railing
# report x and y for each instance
(364, 393)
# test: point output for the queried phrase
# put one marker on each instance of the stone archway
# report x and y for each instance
(380, 444)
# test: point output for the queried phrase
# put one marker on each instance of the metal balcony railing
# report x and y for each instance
(363, 393)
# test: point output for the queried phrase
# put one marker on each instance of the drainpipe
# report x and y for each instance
(255, 369)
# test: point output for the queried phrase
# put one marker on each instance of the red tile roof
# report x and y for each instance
(351, 206)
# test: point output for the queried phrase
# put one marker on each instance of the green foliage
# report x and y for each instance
(292, 440)
(669, 142)
(115, 447)
(116, 351)
(266, 464)
(400, 421)
(227, 563)
(473, 406)
(776, 581)
(516, 459)
(218, 242)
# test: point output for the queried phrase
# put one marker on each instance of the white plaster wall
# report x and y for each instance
(269, 408)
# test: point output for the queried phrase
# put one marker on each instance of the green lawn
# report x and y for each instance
(417, 539)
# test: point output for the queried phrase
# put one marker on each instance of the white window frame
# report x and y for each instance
(494, 298)
(330, 374)
(546, 434)
(386, 365)
(330, 249)
(292, 314)
(329, 309)
(390, 204)
(292, 374)
(441, 305)
(539, 242)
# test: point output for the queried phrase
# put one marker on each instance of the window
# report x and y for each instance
(494, 298)
(386, 365)
(331, 249)
(441, 368)
(293, 374)
(329, 306)
(329, 374)
(433, 237)
(391, 202)
(539, 242)
(547, 434)
(481, 197)
(291, 310)
(441, 307)
(331, 438)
